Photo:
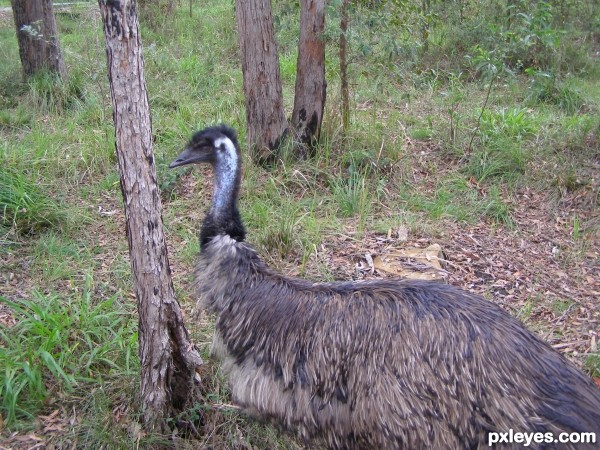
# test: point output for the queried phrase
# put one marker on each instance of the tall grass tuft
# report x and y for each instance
(51, 94)
(352, 194)
(545, 88)
(23, 206)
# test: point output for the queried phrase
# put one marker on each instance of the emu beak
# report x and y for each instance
(190, 156)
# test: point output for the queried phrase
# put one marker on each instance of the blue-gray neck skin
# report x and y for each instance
(223, 218)
(227, 178)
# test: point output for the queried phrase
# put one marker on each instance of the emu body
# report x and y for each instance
(376, 364)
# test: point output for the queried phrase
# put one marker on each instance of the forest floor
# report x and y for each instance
(526, 237)
(535, 269)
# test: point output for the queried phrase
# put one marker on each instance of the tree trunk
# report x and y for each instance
(309, 95)
(344, 65)
(38, 37)
(426, 18)
(266, 123)
(168, 358)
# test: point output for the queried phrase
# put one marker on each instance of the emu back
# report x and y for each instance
(384, 364)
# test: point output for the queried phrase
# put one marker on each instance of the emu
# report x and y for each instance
(373, 364)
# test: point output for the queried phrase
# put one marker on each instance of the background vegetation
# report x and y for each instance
(470, 122)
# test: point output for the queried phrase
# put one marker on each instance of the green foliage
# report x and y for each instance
(420, 134)
(495, 208)
(515, 123)
(486, 63)
(168, 179)
(530, 38)
(279, 233)
(519, 35)
(287, 64)
(59, 344)
(562, 306)
(501, 152)
(528, 307)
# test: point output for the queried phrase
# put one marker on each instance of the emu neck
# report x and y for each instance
(223, 218)
(225, 192)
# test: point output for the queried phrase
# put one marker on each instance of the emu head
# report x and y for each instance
(216, 146)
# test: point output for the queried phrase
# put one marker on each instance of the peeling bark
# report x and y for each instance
(265, 117)
(168, 358)
(38, 37)
(310, 91)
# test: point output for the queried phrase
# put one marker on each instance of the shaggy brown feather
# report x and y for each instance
(384, 364)
(377, 364)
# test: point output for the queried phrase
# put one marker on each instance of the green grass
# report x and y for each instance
(24, 207)
(505, 159)
(15, 119)
(545, 88)
(562, 306)
(456, 199)
(352, 195)
(279, 228)
(592, 364)
(424, 151)
(48, 93)
(59, 345)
